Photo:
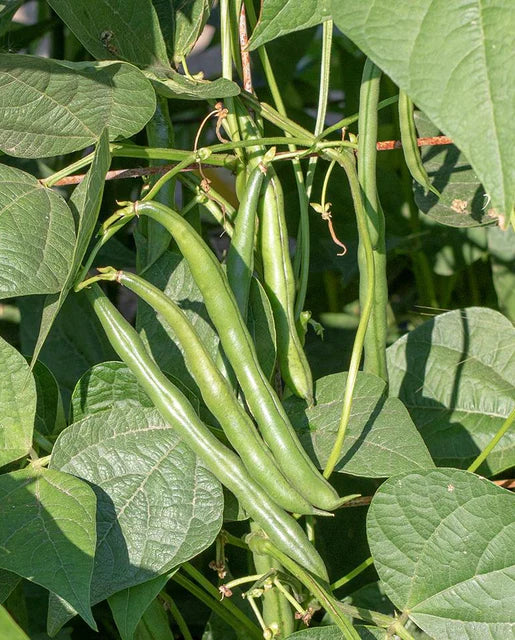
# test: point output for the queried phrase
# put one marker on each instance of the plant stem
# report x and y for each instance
(176, 615)
(345, 122)
(178, 155)
(352, 574)
(225, 37)
(504, 428)
(375, 337)
(219, 607)
(345, 160)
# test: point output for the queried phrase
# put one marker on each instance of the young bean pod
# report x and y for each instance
(217, 394)
(285, 532)
(239, 348)
(279, 283)
(409, 143)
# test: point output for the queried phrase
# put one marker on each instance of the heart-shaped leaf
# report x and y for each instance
(381, 438)
(17, 404)
(37, 235)
(442, 543)
(279, 17)
(455, 62)
(158, 507)
(47, 532)
(455, 375)
(51, 107)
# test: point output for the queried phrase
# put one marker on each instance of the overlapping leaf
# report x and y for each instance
(455, 62)
(442, 543)
(455, 375)
(47, 532)
(51, 107)
(9, 630)
(37, 235)
(279, 17)
(17, 404)
(157, 506)
(50, 418)
(381, 438)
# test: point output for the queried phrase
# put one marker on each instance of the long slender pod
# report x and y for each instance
(279, 284)
(239, 348)
(286, 533)
(217, 394)
(375, 337)
(409, 143)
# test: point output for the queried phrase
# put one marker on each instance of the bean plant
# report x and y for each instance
(257, 343)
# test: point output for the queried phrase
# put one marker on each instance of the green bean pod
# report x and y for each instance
(261, 399)
(218, 395)
(240, 257)
(279, 284)
(280, 527)
(409, 143)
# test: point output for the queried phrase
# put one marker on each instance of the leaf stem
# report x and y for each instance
(352, 574)
(504, 428)
(176, 615)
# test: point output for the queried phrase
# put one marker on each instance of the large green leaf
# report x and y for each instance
(47, 532)
(17, 404)
(442, 543)
(331, 632)
(279, 17)
(37, 235)
(129, 605)
(455, 375)
(462, 198)
(455, 61)
(9, 630)
(157, 506)
(51, 107)
(381, 439)
(116, 29)
(85, 204)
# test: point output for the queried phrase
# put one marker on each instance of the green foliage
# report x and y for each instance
(119, 489)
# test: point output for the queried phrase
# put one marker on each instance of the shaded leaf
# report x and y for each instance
(261, 326)
(381, 439)
(17, 404)
(37, 235)
(455, 375)
(462, 202)
(331, 632)
(47, 532)
(129, 605)
(50, 418)
(279, 17)
(51, 107)
(9, 630)
(7, 10)
(157, 506)
(189, 17)
(154, 624)
(171, 84)
(85, 204)
(8, 582)
(501, 246)
(442, 544)
(455, 64)
(116, 29)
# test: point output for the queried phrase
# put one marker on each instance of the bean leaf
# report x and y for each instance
(279, 17)
(456, 65)
(37, 235)
(47, 532)
(157, 506)
(51, 107)
(381, 438)
(442, 543)
(455, 375)
(9, 630)
(17, 404)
